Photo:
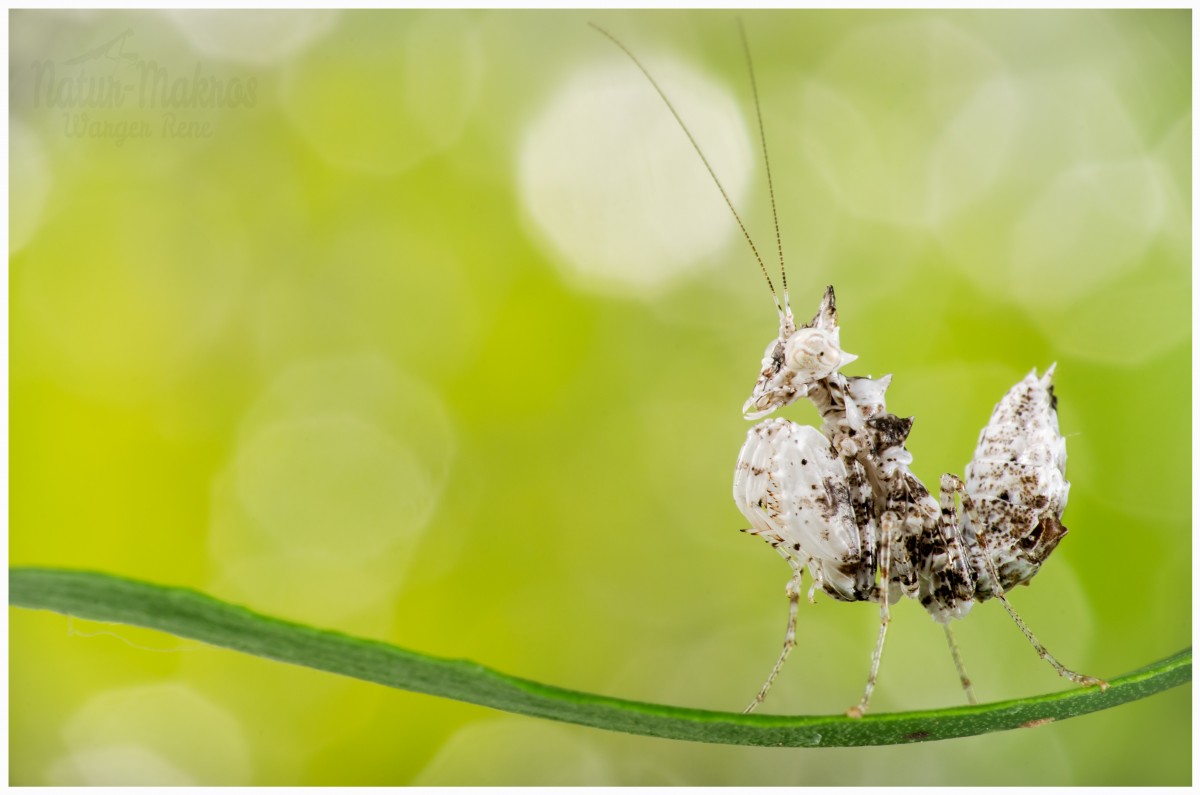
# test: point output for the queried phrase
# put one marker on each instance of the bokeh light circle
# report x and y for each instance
(161, 734)
(388, 103)
(30, 180)
(612, 186)
(254, 37)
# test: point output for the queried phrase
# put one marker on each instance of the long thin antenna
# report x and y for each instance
(699, 151)
(762, 134)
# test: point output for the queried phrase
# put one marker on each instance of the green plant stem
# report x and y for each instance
(190, 614)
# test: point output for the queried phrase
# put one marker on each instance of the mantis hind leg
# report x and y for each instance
(958, 666)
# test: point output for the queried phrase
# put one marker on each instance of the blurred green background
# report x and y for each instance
(429, 326)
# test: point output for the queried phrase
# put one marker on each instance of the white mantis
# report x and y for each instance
(841, 502)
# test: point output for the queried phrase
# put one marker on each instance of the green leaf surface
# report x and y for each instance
(190, 614)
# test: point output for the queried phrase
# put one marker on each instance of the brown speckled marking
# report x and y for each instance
(1033, 724)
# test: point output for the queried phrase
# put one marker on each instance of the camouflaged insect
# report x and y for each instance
(841, 502)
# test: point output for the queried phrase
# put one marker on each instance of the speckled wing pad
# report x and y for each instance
(797, 494)
(1016, 487)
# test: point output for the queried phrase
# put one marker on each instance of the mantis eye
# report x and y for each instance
(815, 353)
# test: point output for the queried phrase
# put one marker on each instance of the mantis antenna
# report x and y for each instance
(783, 308)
